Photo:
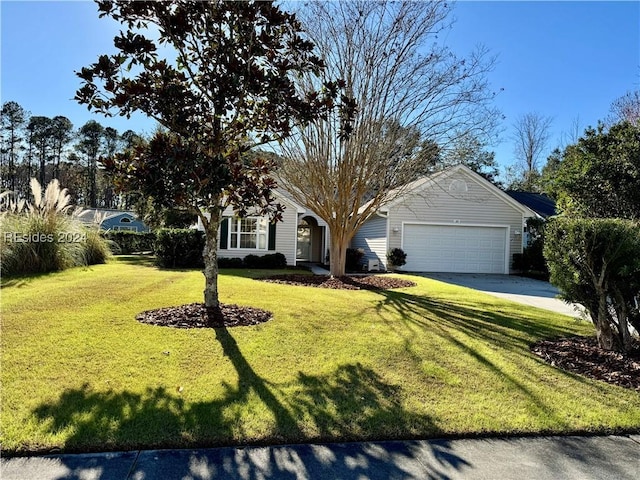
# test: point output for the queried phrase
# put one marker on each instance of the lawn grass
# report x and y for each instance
(79, 373)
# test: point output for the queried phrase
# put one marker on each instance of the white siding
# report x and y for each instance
(372, 238)
(286, 236)
(469, 202)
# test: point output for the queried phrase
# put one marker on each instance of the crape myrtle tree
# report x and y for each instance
(224, 88)
(402, 81)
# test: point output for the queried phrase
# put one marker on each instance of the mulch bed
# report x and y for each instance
(582, 355)
(366, 282)
(196, 315)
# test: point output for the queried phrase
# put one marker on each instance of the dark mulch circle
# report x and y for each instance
(366, 282)
(583, 356)
(197, 315)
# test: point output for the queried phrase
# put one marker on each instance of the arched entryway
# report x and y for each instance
(310, 240)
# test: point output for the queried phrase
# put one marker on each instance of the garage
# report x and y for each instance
(455, 248)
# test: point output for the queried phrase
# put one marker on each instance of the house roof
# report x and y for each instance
(396, 196)
(93, 215)
(538, 202)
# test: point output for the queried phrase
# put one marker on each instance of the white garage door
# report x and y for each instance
(459, 249)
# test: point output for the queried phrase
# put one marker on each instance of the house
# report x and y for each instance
(113, 219)
(452, 221)
(538, 202)
(301, 236)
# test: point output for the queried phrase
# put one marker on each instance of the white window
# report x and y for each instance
(250, 233)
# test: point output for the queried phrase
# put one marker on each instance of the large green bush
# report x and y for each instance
(43, 236)
(596, 263)
(179, 248)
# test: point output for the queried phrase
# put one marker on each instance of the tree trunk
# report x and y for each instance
(210, 255)
(338, 254)
(607, 340)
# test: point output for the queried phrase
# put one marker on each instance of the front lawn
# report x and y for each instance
(79, 373)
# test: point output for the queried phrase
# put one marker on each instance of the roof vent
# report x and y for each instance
(458, 186)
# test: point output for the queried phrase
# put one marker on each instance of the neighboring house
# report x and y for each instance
(113, 219)
(452, 221)
(538, 202)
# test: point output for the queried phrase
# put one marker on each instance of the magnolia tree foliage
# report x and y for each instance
(226, 89)
(412, 97)
(596, 263)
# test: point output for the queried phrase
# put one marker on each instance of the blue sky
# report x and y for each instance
(566, 60)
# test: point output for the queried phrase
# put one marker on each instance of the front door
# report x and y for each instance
(303, 251)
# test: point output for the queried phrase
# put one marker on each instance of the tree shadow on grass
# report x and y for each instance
(481, 332)
(350, 404)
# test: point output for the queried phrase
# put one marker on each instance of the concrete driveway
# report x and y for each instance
(511, 287)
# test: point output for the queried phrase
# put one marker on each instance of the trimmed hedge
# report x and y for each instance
(271, 260)
(179, 248)
(596, 262)
(234, 262)
(127, 242)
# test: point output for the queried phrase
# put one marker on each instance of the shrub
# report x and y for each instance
(596, 263)
(127, 242)
(353, 260)
(274, 260)
(230, 262)
(271, 260)
(531, 261)
(396, 257)
(43, 237)
(179, 248)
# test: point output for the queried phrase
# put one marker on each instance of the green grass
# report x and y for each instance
(81, 374)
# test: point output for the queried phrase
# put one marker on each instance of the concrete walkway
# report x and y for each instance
(539, 458)
(527, 291)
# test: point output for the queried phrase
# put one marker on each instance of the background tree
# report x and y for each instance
(401, 83)
(469, 150)
(599, 175)
(626, 108)
(12, 120)
(531, 135)
(62, 134)
(41, 130)
(228, 90)
(90, 144)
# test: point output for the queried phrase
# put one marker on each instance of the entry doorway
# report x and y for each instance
(310, 240)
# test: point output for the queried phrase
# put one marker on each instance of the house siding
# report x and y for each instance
(116, 223)
(478, 205)
(372, 238)
(286, 235)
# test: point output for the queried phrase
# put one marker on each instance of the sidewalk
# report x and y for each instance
(539, 458)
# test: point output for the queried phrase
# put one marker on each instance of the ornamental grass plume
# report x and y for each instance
(42, 236)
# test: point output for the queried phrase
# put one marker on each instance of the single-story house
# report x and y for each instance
(113, 219)
(452, 221)
(301, 236)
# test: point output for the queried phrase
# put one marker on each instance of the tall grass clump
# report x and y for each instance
(45, 235)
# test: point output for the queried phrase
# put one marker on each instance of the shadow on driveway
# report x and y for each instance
(526, 291)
